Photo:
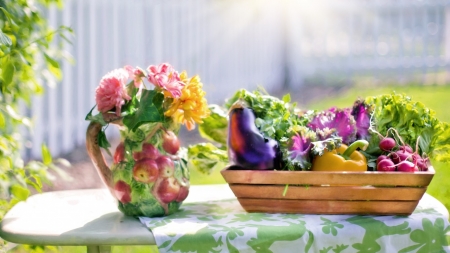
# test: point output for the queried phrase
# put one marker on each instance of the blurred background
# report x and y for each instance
(318, 51)
(284, 46)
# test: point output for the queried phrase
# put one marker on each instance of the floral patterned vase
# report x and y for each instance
(148, 176)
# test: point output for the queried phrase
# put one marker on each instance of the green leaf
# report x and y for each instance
(103, 142)
(51, 61)
(20, 192)
(46, 156)
(38, 182)
(95, 118)
(150, 110)
(8, 15)
(57, 72)
(205, 157)
(286, 98)
(4, 39)
(2, 121)
(53, 66)
(8, 74)
(215, 126)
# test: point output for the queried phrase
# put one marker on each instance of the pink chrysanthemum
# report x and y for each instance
(165, 77)
(112, 91)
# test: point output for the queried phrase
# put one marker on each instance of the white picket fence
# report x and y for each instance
(235, 44)
(231, 44)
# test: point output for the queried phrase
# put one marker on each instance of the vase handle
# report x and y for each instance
(93, 149)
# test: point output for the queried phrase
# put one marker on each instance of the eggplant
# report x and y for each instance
(247, 147)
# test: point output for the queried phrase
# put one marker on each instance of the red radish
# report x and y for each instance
(406, 148)
(386, 165)
(400, 155)
(381, 157)
(387, 144)
(422, 163)
(406, 166)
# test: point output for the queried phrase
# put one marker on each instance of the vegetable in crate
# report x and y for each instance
(342, 159)
(273, 118)
(332, 122)
(303, 135)
(282, 121)
(414, 123)
(247, 147)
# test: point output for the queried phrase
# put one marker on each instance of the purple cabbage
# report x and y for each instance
(334, 122)
(361, 114)
(300, 146)
(299, 152)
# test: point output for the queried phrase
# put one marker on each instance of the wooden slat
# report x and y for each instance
(329, 207)
(327, 192)
(421, 178)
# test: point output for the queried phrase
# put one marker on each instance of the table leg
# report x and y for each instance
(98, 249)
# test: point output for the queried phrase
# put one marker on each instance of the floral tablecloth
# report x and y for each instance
(223, 226)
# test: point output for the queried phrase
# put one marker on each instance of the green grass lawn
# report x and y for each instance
(433, 97)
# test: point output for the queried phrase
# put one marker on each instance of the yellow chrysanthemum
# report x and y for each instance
(191, 107)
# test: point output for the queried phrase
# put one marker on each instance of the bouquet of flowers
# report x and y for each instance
(149, 177)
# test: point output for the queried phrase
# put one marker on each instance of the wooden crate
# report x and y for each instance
(328, 192)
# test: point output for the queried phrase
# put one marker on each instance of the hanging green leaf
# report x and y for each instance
(46, 156)
(20, 192)
(2, 121)
(8, 73)
(8, 16)
(4, 39)
(51, 61)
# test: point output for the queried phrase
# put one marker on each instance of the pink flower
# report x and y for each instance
(136, 74)
(165, 77)
(112, 91)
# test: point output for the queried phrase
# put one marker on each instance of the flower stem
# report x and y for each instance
(153, 132)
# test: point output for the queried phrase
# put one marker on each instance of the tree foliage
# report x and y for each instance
(29, 57)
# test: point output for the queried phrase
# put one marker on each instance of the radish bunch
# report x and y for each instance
(400, 156)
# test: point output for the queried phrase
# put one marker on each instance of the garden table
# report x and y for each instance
(210, 217)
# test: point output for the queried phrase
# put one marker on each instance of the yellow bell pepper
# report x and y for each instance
(342, 159)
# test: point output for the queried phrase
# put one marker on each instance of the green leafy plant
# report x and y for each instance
(28, 56)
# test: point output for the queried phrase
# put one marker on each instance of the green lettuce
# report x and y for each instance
(413, 121)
